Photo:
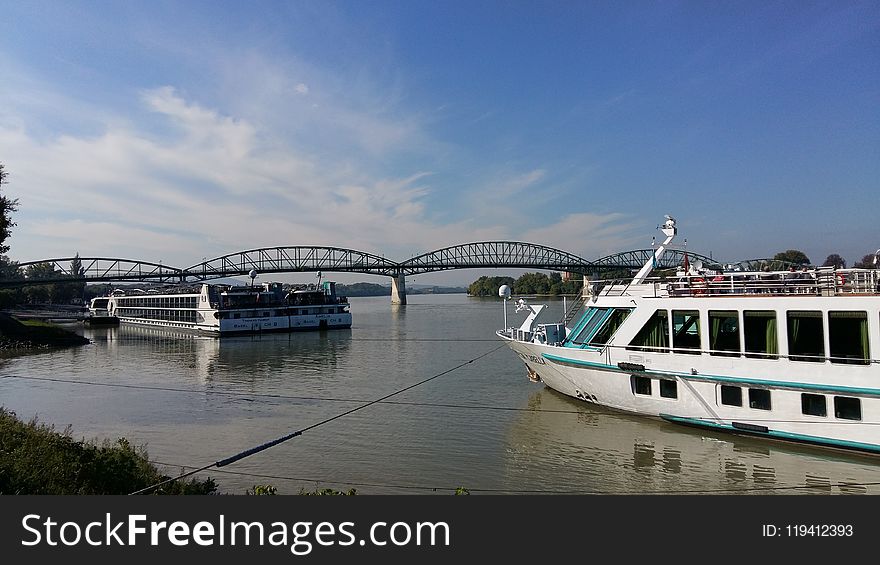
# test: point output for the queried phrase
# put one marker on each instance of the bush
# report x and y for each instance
(35, 459)
(327, 492)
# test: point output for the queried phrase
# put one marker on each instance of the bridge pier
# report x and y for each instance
(398, 289)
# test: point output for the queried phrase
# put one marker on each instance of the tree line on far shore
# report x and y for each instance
(833, 260)
(529, 283)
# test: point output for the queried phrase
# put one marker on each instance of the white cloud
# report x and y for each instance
(216, 186)
(302, 88)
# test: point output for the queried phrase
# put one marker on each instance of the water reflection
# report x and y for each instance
(254, 359)
(665, 458)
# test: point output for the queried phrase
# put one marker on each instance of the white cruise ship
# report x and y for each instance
(788, 355)
(227, 310)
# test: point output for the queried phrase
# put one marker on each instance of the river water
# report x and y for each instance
(195, 400)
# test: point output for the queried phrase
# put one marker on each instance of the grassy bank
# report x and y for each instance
(33, 334)
(35, 459)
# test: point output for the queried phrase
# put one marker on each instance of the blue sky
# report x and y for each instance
(176, 131)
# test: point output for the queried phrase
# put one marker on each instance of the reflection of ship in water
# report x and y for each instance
(256, 358)
(584, 448)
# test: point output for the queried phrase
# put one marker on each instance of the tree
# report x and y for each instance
(793, 256)
(9, 270)
(7, 207)
(867, 261)
(43, 292)
(488, 286)
(835, 260)
(65, 292)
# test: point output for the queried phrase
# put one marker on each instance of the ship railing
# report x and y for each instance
(611, 287)
(819, 282)
(509, 333)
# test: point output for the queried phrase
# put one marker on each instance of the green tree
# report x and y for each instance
(868, 261)
(835, 260)
(42, 292)
(7, 207)
(488, 286)
(793, 256)
(9, 270)
(67, 291)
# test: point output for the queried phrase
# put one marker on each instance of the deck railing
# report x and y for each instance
(819, 282)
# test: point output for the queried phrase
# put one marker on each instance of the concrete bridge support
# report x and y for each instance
(398, 289)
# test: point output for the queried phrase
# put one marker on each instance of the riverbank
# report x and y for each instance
(35, 334)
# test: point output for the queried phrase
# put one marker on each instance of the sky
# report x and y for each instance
(182, 131)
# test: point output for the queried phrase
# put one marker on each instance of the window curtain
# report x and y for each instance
(772, 345)
(716, 331)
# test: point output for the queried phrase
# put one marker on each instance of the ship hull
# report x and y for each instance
(694, 399)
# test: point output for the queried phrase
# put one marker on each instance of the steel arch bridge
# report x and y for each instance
(296, 259)
(292, 259)
(492, 254)
(101, 269)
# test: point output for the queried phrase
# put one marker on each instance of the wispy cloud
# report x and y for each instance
(290, 154)
(216, 185)
(589, 235)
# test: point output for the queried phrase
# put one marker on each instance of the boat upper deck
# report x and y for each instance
(810, 282)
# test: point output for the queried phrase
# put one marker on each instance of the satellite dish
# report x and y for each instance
(504, 291)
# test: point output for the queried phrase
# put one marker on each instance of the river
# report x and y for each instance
(194, 400)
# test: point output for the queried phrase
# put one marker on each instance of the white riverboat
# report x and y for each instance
(790, 355)
(228, 310)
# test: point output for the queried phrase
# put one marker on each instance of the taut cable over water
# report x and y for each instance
(282, 439)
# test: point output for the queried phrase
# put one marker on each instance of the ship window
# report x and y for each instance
(596, 317)
(759, 334)
(731, 395)
(654, 335)
(668, 389)
(724, 333)
(813, 404)
(617, 317)
(237, 315)
(847, 408)
(805, 336)
(641, 385)
(759, 398)
(686, 331)
(848, 337)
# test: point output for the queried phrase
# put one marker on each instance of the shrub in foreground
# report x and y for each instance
(35, 459)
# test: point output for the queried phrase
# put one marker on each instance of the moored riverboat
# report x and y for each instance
(222, 310)
(789, 355)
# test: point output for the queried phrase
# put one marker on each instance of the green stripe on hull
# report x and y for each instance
(802, 438)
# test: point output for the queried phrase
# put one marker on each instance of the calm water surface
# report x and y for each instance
(194, 400)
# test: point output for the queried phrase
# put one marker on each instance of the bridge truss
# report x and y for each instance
(296, 259)
(485, 254)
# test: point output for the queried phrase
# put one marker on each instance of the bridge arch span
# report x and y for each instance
(293, 259)
(637, 258)
(104, 269)
(494, 254)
